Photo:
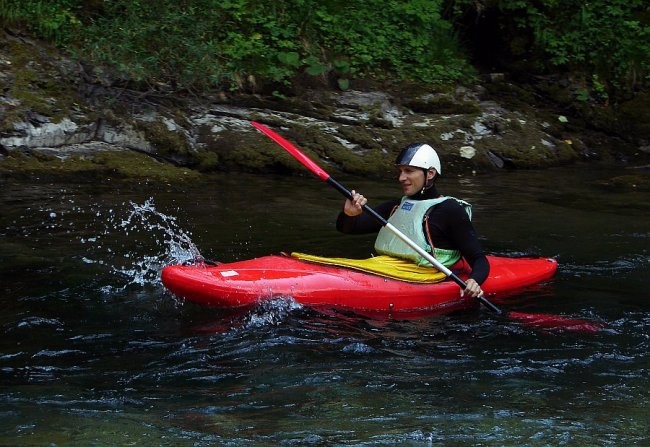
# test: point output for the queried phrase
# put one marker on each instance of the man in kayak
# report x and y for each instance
(441, 225)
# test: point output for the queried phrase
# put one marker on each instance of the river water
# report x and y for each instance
(96, 352)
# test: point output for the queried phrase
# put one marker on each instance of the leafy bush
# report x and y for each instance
(54, 20)
(241, 43)
(407, 39)
(608, 41)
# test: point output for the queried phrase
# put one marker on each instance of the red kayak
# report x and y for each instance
(246, 283)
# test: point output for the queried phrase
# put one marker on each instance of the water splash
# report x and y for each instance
(138, 243)
(271, 312)
(177, 241)
(267, 313)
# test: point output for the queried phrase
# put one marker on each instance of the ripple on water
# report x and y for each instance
(131, 366)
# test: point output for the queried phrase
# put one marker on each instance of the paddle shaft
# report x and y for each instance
(323, 175)
(425, 254)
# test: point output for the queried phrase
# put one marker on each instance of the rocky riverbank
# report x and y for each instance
(61, 118)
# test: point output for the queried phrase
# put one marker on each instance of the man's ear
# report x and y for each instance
(431, 173)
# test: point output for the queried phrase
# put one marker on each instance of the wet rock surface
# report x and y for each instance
(49, 106)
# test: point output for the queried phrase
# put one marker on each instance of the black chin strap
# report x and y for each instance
(428, 184)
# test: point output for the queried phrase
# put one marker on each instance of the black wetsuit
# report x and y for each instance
(449, 227)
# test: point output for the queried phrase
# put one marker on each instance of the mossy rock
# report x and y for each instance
(634, 115)
(630, 182)
(528, 153)
(120, 164)
(166, 141)
(442, 104)
(248, 152)
(38, 85)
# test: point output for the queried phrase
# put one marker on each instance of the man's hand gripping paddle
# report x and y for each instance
(537, 319)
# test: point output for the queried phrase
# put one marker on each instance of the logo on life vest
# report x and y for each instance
(406, 206)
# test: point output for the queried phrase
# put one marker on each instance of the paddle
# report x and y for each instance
(542, 320)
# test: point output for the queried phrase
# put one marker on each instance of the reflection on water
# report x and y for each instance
(95, 352)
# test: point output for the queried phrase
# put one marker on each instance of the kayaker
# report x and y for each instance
(439, 224)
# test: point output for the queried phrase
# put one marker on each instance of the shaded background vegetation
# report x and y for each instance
(251, 45)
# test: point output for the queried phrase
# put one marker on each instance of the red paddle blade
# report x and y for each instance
(293, 150)
(556, 322)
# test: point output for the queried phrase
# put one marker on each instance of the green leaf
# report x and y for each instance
(316, 69)
(342, 66)
(290, 58)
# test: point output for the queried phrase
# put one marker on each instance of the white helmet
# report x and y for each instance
(420, 155)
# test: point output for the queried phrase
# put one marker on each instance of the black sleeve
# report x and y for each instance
(364, 223)
(450, 227)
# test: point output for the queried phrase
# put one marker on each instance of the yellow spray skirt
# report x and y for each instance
(386, 266)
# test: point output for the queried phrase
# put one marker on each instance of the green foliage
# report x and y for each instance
(607, 40)
(55, 20)
(240, 44)
(601, 37)
(243, 44)
(408, 39)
